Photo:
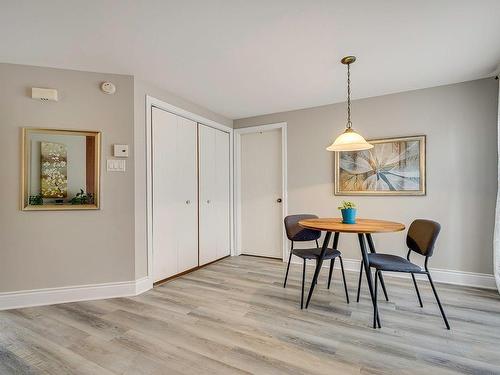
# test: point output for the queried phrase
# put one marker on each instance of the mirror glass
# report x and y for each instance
(61, 169)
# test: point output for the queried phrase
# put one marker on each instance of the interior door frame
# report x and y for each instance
(237, 180)
(157, 103)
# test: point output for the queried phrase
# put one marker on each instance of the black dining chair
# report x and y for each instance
(296, 233)
(421, 237)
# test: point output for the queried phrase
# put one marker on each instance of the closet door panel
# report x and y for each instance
(222, 192)
(207, 176)
(165, 201)
(187, 194)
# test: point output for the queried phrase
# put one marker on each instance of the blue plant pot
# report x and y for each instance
(349, 215)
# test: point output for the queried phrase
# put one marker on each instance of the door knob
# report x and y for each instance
(279, 200)
(208, 201)
(188, 202)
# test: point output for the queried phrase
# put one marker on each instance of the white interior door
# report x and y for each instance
(214, 227)
(175, 221)
(164, 145)
(222, 193)
(261, 189)
(207, 191)
(187, 193)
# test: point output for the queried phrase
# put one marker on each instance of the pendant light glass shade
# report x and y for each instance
(349, 140)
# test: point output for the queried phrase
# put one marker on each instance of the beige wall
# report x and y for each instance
(141, 90)
(52, 249)
(63, 248)
(460, 123)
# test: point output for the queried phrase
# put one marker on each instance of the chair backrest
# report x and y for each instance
(295, 232)
(422, 236)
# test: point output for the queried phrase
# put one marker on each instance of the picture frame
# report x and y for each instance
(60, 169)
(393, 167)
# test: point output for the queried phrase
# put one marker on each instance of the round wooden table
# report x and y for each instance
(363, 228)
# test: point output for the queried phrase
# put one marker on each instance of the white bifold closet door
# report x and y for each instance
(214, 225)
(175, 194)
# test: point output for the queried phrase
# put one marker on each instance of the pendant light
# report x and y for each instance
(349, 140)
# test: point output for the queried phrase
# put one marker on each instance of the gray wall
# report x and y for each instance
(142, 89)
(460, 122)
(63, 248)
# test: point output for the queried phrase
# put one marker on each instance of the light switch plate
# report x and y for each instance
(114, 165)
(120, 151)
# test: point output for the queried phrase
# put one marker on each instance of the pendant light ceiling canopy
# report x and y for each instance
(349, 140)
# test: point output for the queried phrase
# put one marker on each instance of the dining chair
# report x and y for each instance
(296, 233)
(421, 237)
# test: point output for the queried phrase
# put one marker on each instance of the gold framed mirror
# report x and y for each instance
(60, 169)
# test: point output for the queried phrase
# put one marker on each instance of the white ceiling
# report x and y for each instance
(248, 57)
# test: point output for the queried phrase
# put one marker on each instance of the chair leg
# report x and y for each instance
(371, 245)
(332, 264)
(343, 277)
(375, 308)
(303, 282)
(416, 289)
(359, 282)
(316, 283)
(287, 269)
(382, 284)
(438, 301)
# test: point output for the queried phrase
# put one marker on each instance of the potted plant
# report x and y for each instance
(348, 210)
(36, 200)
(82, 198)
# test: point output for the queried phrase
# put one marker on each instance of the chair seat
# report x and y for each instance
(314, 253)
(388, 262)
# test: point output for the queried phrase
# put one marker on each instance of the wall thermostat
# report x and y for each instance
(44, 94)
(108, 88)
(120, 151)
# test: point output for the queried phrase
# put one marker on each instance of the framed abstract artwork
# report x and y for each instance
(394, 166)
(54, 171)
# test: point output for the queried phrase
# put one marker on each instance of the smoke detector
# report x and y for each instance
(108, 88)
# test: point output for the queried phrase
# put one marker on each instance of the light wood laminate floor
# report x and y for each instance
(235, 317)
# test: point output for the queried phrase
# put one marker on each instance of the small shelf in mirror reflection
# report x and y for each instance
(60, 169)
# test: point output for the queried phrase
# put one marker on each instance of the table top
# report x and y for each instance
(361, 226)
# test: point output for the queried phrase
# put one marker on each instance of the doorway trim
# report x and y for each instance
(157, 103)
(237, 180)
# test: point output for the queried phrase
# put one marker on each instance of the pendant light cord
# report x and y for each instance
(349, 123)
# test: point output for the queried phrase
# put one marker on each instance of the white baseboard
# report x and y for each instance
(50, 296)
(478, 280)
(143, 285)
